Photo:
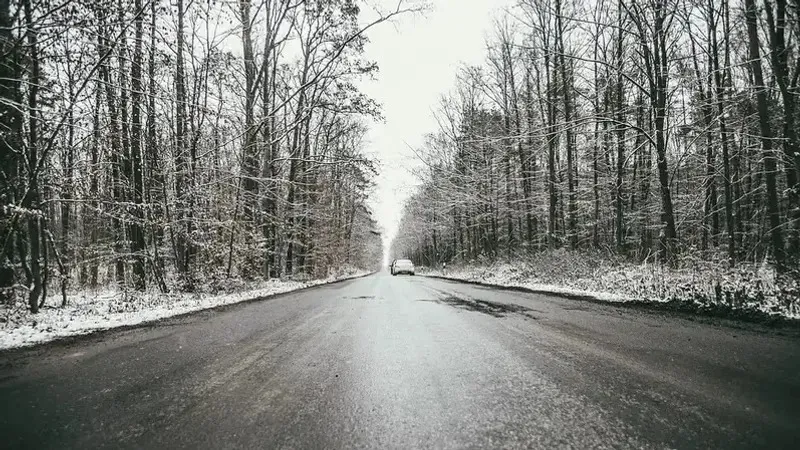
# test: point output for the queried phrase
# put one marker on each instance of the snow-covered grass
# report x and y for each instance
(695, 285)
(89, 311)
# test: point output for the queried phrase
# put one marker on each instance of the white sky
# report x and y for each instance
(418, 57)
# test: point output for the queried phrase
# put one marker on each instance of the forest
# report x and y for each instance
(656, 131)
(165, 145)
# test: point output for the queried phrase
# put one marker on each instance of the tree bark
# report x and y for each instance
(11, 138)
(31, 199)
(135, 227)
(770, 161)
(658, 97)
(566, 85)
(719, 94)
(777, 26)
(182, 240)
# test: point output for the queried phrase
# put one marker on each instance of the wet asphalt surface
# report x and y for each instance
(408, 362)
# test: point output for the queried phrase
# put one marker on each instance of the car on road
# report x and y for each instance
(402, 266)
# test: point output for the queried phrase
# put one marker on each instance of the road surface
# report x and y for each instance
(408, 362)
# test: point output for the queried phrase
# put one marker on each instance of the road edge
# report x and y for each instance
(100, 333)
(732, 316)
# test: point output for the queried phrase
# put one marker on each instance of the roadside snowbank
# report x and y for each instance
(87, 312)
(699, 286)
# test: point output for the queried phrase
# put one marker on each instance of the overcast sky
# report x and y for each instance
(418, 58)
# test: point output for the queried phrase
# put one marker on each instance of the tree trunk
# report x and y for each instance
(250, 151)
(646, 168)
(552, 147)
(566, 85)
(135, 227)
(31, 199)
(182, 241)
(116, 148)
(123, 159)
(523, 157)
(658, 96)
(68, 170)
(530, 175)
(155, 179)
(296, 166)
(620, 103)
(777, 26)
(10, 147)
(770, 161)
(719, 92)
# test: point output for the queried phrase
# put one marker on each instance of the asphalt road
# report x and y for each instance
(408, 362)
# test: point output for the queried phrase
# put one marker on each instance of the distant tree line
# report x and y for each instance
(169, 143)
(643, 128)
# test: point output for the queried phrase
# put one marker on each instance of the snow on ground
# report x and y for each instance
(87, 312)
(703, 285)
(506, 275)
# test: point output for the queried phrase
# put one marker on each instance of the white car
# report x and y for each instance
(402, 266)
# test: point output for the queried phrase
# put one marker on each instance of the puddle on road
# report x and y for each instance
(482, 306)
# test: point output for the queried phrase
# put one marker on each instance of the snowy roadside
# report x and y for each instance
(88, 312)
(486, 277)
(750, 294)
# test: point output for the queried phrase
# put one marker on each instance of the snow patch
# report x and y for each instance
(704, 284)
(88, 312)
